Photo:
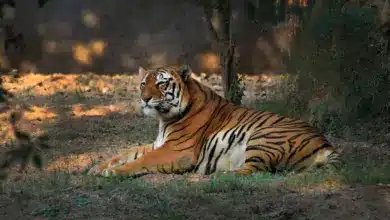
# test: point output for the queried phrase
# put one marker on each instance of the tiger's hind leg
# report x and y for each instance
(269, 153)
(125, 157)
(315, 154)
(260, 157)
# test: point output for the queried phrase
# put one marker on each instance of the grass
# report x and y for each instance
(85, 124)
(61, 195)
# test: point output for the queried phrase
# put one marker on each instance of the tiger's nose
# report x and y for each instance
(147, 99)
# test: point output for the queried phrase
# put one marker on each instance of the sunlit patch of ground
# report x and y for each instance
(42, 85)
(320, 186)
(39, 113)
(79, 110)
(73, 163)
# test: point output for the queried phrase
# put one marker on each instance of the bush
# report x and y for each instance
(339, 71)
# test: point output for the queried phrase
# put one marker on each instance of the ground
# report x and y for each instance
(89, 117)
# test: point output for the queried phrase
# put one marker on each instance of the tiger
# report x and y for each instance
(201, 132)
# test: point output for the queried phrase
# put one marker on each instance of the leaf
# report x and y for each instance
(37, 160)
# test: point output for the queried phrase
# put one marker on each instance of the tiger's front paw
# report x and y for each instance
(101, 167)
(109, 173)
(99, 170)
(96, 170)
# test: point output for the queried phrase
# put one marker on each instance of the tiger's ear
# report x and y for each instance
(141, 74)
(141, 71)
(185, 72)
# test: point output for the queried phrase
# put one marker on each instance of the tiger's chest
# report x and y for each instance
(159, 140)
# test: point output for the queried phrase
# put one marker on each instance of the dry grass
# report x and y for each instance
(89, 117)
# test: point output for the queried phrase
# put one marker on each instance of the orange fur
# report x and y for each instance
(202, 132)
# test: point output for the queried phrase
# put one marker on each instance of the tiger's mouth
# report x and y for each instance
(159, 108)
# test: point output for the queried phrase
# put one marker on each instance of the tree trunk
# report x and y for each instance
(26, 15)
(226, 46)
(223, 40)
(283, 10)
(383, 22)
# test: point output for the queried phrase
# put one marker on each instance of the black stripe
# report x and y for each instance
(172, 167)
(277, 121)
(255, 120)
(242, 116)
(323, 146)
(232, 137)
(208, 165)
(267, 135)
(179, 90)
(259, 148)
(255, 159)
(242, 137)
(265, 120)
(216, 161)
(240, 130)
(278, 149)
(276, 142)
(203, 155)
(296, 136)
(306, 141)
(135, 155)
(173, 90)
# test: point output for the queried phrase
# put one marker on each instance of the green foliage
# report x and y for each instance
(366, 168)
(52, 211)
(236, 90)
(288, 101)
(275, 106)
(339, 53)
(326, 120)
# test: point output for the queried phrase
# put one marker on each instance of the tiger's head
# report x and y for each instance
(164, 91)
